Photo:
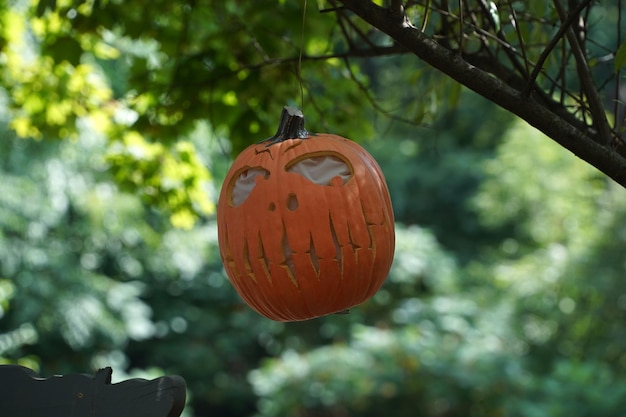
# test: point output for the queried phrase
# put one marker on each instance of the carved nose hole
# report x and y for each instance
(292, 202)
(272, 207)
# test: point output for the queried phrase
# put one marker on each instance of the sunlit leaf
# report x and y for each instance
(620, 57)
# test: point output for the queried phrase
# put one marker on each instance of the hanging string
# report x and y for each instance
(299, 69)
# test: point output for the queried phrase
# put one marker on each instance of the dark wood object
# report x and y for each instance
(23, 393)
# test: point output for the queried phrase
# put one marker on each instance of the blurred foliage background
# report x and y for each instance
(118, 121)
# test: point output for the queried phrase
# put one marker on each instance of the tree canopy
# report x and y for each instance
(118, 121)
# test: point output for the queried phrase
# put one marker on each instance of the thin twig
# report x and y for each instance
(332, 9)
(520, 38)
(509, 49)
(426, 16)
(300, 54)
(565, 25)
(595, 104)
(352, 53)
(342, 26)
(617, 121)
(372, 100)
(461, 19)
(359, 32)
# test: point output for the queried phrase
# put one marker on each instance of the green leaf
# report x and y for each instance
(620, 57)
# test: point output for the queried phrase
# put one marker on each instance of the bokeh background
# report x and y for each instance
(118, 121)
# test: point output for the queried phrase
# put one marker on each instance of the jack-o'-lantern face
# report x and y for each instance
(305, 227)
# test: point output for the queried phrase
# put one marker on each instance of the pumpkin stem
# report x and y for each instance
(291, 126)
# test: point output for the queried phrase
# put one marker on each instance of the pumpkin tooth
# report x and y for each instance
(246, 261)
(333, 234)
(314, 258)
(355, 246)
(288, 263)
(263, 259)
(230, 261)
(369, 224)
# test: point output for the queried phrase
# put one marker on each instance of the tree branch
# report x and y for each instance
(595, 104)
(374, 51)
(603, 158)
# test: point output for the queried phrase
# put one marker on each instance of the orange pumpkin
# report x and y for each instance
(305, 223)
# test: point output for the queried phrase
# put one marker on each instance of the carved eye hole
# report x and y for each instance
(321, 169)
(245, 183)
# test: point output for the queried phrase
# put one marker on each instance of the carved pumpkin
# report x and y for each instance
(305, 223)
